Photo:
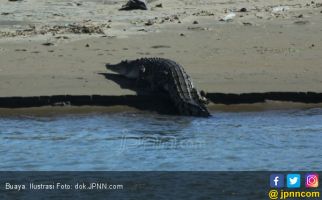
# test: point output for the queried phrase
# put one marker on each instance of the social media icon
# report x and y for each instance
(312, 180)
(277, 180)
(293, 180)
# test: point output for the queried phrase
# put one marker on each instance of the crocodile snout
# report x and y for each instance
(107, 65)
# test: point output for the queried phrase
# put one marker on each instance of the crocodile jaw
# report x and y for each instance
(125, 69)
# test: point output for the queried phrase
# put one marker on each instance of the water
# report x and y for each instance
(272, 140)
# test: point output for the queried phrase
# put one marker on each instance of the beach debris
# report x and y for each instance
(75, 28)
(203, 13)
(195, 22)
(62, 37)
(87, 45)
(228, 17)
(159, 5)
(280, 9)
(5, 13)
(243, 10)
(135, 5)
(157, 20)
(160, 46)
(176, 17)
(150, 22)
(74, 3)
(20, 49)
(48, 44)
(302, 22)
(171, 18)
(58, 15)
(198, 28)
(300, 16)
(182, 34)
(247, 23)
(142, 30)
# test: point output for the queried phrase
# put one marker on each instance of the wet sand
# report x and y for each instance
(261, 50)
(86, 110)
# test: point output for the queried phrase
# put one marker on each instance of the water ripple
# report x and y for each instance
(272, 140)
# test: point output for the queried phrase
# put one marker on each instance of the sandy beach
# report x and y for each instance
(267, 46)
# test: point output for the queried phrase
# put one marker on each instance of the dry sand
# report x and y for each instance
(263, 49)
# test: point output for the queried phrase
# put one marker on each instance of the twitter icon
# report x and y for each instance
(293, 180)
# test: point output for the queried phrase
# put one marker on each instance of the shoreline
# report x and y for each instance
(47, 111)
(161, 105)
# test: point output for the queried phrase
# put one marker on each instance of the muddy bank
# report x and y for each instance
(248, 98)
(160, 103)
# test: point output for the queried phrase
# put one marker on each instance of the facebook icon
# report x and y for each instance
(277, 180)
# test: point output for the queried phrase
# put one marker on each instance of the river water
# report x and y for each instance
(269, 140)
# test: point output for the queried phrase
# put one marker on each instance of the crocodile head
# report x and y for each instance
(129, 69)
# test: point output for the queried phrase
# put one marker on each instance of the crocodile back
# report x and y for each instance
(172, 77)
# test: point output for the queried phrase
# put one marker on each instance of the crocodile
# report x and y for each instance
(169, 76)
